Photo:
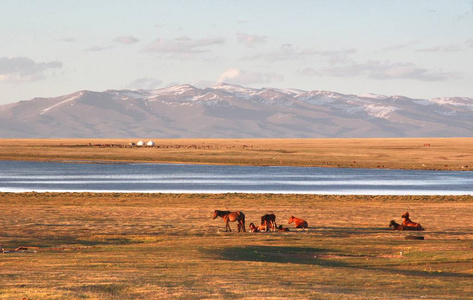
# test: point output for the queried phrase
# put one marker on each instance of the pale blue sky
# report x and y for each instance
(420, 49)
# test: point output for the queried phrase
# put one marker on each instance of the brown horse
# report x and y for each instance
(407, 222)
(280, 228)
(397, 226)
(253, 228)
(229, 216)
(298, 222)
(268, 221)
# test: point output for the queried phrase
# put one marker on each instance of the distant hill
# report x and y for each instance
(231, 111)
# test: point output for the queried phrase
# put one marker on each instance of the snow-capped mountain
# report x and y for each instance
(228, 110)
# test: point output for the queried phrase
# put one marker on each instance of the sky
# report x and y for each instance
(420, 49)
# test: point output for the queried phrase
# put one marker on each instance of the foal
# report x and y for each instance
(253, 228)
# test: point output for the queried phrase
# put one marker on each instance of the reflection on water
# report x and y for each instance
(19, 176)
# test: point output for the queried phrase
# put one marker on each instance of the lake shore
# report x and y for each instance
(389, 153)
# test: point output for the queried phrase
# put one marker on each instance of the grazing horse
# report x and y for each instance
(397, 226)
(298, 222)
(269, 221)
(229, 216)
(253, 228)
(407, 222)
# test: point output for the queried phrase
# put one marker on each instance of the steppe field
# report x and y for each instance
(167, 246)
(412, 153)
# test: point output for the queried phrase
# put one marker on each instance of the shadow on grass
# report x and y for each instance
(323, 257)
(105, 290)
(294, 255)
(55, 241)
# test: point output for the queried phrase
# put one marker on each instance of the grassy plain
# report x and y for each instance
(166, 246)
(441, 154)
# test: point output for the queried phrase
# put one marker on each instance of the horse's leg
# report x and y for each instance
(228, 227)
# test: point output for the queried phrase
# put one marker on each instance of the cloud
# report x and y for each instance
(237, 76)
(145, 83)
(67, 40)
(126, 40)
(98, 48)
(250, 39)
(382, 71)
(450, 48)
(469, 42)
(24, 69)
(182, 45)
(289, 52)
(399, 46)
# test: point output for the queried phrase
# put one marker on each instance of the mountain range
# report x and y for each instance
(232, 111)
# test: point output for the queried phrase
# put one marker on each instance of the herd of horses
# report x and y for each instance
(268, 222)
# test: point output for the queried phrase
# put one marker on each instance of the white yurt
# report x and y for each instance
(150, 144)
(140, 144)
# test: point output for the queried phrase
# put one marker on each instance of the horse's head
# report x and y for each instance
(405, 215)
(392, 223)
(215, 214)
(291, 219)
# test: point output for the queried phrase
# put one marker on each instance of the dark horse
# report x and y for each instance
(397, 226)
(229, 216)
(268, 221)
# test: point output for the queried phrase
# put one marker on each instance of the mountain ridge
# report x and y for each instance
(233, 111)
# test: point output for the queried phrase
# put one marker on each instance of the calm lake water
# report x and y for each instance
(20, 176)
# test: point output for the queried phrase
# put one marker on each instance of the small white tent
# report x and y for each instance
(150, 144)
(140, 144)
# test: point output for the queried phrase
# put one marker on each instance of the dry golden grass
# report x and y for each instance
(161, 246)
(443, 153)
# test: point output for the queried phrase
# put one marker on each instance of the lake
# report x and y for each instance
(25, 176)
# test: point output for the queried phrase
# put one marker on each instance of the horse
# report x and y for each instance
(298, 222)
(253, 228)
(407, 222)
(229, 216)
(280, 228)
(397, 226)
(269, 221)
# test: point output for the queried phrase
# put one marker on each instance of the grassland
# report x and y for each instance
(166, 246)
(440, 154)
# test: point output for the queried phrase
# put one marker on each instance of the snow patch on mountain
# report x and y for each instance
(77, 96)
